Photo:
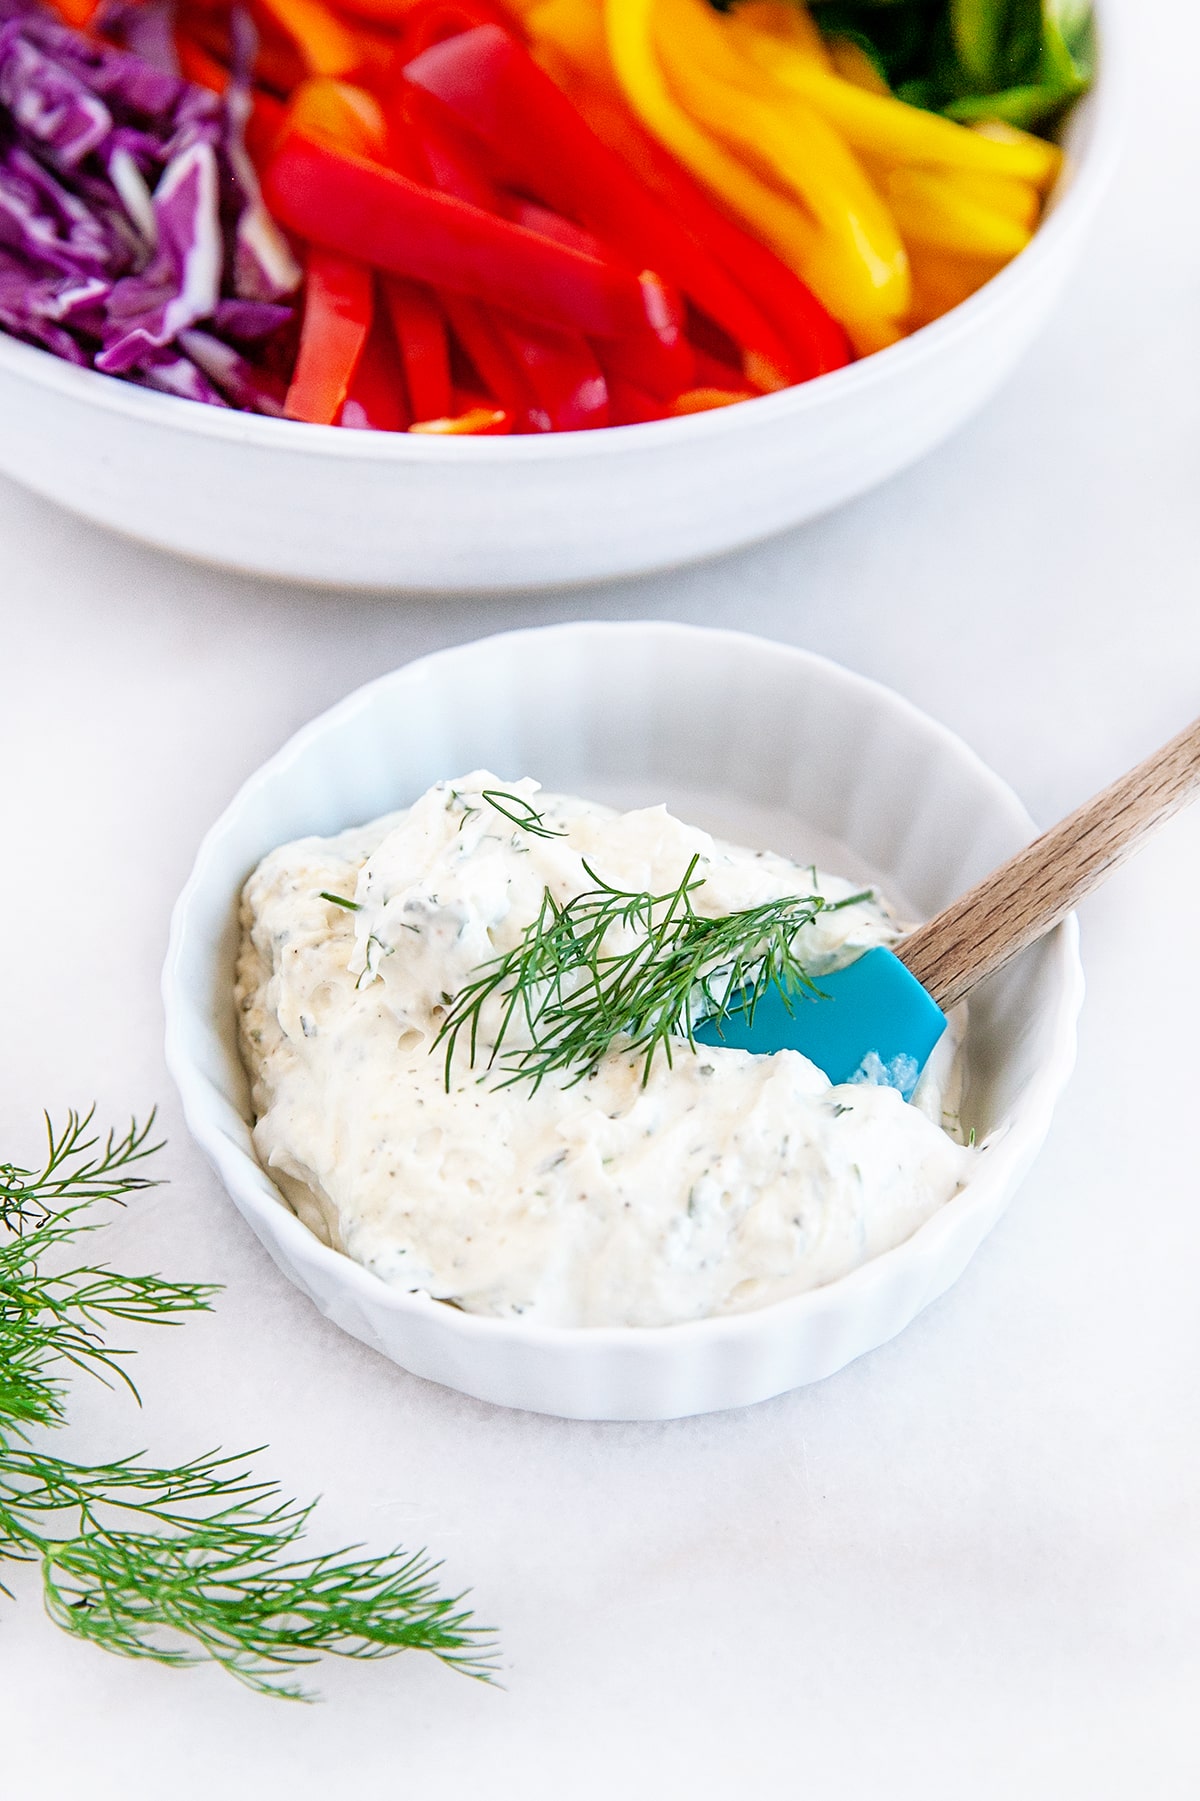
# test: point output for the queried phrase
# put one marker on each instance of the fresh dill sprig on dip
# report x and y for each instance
(577, 999)
(519, 811)
(181, 1564)
(513, 808)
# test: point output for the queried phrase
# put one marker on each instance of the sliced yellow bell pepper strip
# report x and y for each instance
(791, 23)
(1018, 200)
(864, 277)
(935, 209)
(781, 223)
(864, 268)
(852, 63)
(882, 126)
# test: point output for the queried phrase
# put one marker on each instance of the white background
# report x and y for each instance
(969, 1566)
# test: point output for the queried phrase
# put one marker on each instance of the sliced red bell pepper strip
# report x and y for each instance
(477, 332)
(476, 422)
(390, 14)
(421, 337)
(630, 370)
(630, 405)
(376, 401)
(717, 372)
(367, 212)
(393, 15)
(434, 151)
(553, 225)
(661, 365)
(493, 87)
(547, 380)
(333, 333)
(430, 21)
(198, 65)
(278, 64)
(381, 55)
(402, 153)
(263, 126)
(564, 375)
(816, 341)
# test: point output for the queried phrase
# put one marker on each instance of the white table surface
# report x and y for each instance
(968, 1566)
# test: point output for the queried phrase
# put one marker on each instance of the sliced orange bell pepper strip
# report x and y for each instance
(326, 43)
(348, 116)
(942, 282)
(338, 305)
(476, 422)
(77, 13)
(706, 400)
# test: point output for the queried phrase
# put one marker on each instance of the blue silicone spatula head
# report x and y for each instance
(875, 1021)
(870, 1022)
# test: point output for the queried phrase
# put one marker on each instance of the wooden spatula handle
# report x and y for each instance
(1029, 894)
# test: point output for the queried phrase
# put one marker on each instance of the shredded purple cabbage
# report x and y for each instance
(133, 235)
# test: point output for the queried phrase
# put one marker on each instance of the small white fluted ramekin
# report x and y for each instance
(760, 742)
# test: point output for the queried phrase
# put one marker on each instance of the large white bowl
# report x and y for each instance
(314, 503)
(766, 744)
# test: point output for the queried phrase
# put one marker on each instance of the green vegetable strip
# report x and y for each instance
(1021, 61)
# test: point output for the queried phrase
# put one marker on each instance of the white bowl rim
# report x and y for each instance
(246, 1179)
(1089, 178)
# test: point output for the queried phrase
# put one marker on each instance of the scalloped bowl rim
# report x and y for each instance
(207, 1111)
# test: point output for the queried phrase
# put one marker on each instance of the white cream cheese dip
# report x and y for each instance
(719, 1183)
